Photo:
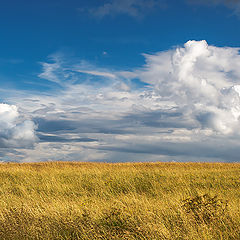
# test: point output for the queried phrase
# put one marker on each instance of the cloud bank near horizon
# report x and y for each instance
(185, 107)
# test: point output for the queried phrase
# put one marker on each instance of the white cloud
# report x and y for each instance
(49, 70)
(64, 73)
(202, 81)
(97, 73)
(188, 110)
(15, 131)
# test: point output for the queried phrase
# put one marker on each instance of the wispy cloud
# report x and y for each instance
(63, 73)
(97, 73)
(133, 8)
(232, 4)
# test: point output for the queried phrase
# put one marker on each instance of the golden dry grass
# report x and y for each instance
(62, 200)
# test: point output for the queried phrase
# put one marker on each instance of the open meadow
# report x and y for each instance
(63, 200)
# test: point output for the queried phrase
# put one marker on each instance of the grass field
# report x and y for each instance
(120, 201)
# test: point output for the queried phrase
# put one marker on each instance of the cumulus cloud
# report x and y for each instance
(133, 8)
(203, 82)
(15, 131)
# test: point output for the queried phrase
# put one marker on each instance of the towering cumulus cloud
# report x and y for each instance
(15, 131)
(202, 81)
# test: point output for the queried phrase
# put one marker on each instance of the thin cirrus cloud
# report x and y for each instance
(189, 109)
(97, 73)
(139, 8)
(232, 4)
(62, 73)
(132, 8)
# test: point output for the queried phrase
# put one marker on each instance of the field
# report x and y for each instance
(119, 201)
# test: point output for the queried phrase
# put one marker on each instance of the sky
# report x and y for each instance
(120, 80)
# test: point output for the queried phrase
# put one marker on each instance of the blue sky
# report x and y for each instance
(136, 80)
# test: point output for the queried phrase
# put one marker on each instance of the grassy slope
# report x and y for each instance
(118, 201)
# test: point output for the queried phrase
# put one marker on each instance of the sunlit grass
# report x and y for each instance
(119, 201)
